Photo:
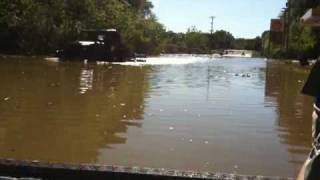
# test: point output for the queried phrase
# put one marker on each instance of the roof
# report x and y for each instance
(312, 17)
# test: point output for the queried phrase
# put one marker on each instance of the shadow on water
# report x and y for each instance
(283, 85)
(67, 112)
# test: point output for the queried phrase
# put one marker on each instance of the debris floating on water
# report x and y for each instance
(122, 104)
(171, 128)
(243, 75)
(6, 98)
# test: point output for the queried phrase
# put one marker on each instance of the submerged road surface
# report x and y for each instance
(242, 116)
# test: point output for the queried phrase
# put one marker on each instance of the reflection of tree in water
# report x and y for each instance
(283, 86)
(52, 120)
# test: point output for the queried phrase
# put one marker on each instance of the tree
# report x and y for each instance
(302, 40)
(223, 40)
(196, 41)
(40, 27)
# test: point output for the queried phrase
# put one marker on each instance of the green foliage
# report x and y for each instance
(35, 27)
(223, 40)
(303, 41)
(175, 43)
(41, 27)
(196, 41)
(146, 36)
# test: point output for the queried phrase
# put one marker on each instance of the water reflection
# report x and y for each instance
(46, 118)
(86, 80)
(283, 85)
(220, 115)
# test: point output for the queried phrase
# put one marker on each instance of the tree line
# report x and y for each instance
(36, 27)
(40, 27)
(195, 41)
(303, 41)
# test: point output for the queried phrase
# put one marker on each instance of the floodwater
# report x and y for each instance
(241, 116)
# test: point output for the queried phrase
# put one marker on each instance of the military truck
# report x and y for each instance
(96, 45)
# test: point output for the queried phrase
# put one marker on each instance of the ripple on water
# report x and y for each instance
(179, 112)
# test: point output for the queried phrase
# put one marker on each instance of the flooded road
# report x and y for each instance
(183, 112)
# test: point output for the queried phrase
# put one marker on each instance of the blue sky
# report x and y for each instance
(243, 18)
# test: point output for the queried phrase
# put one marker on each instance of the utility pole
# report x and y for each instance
(212, 21)
(211, 32)
(285, 29)
(288, 25)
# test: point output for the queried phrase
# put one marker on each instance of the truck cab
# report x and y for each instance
(96, 45)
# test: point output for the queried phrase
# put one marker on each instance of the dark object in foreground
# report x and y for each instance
(35, 169)
(96, 45)
(312, 86)
(303, 60)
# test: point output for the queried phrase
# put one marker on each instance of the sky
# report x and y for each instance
(243, 18)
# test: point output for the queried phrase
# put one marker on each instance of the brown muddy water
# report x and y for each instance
(242, 116)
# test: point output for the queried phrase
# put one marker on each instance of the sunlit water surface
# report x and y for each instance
(182, 112)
